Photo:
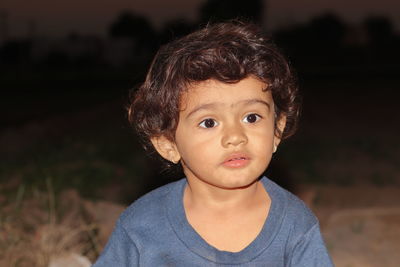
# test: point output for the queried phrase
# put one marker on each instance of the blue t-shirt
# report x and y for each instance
(154, 231)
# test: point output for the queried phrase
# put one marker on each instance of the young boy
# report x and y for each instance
(218, 102)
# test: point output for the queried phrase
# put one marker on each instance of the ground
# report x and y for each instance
(344, 162)
(360, 224)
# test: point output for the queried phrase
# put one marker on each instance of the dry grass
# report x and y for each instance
(36, 227)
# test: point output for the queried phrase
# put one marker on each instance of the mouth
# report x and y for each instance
(236, 161)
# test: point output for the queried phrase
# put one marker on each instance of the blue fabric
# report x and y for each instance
(154, 231)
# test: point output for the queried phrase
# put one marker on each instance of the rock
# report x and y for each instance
(104, 214)
(69, 260)
(366, 237)
(307, 194)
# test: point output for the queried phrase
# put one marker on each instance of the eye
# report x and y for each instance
(208, 123)
(252, 118)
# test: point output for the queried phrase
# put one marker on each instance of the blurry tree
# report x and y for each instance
(327, 30)
(15, 52)
(219, 10)
(174, 29)
(379, 29)
(57, 59)
(132, 26)
(383, 42)
(318, 42)
(138, 29)
(294, 41)
(85, 51)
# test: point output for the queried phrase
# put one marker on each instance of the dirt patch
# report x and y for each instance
(41, 229)
(360, 224)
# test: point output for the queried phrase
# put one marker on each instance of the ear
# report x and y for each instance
(280, 125)
(166, 148)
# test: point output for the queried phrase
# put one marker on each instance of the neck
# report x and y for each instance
(202, 196)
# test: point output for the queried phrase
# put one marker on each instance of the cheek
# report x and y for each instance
(263, 142)
(197, 148)
(198, 151)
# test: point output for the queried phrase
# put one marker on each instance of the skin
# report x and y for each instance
(224, 140)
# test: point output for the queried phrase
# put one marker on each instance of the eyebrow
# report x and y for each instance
(213, 105)
(249, 102)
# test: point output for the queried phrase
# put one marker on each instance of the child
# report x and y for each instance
(217, 102)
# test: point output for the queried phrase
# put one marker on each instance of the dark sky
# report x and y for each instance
(59, 17)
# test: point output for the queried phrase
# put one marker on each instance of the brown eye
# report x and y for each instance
(208, 123)
(251, 118)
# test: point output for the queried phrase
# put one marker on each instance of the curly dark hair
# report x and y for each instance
(227, 52)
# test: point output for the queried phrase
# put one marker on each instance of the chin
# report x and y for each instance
(239, 184)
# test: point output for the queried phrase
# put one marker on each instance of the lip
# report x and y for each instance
(237, 160)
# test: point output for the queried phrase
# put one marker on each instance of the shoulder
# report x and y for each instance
(299, 229)
(298, 212)
(137, 228)
(292, 210)
(148, 210)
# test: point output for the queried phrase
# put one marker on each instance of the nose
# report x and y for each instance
(233, 135)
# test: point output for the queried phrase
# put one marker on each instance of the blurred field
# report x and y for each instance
(77, 135)
(72, 134)
(348, 135)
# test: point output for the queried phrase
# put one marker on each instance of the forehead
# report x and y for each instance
(213, 91)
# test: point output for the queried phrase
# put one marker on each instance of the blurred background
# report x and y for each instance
(70, 162)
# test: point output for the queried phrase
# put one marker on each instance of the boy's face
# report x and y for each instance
(225, 136)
